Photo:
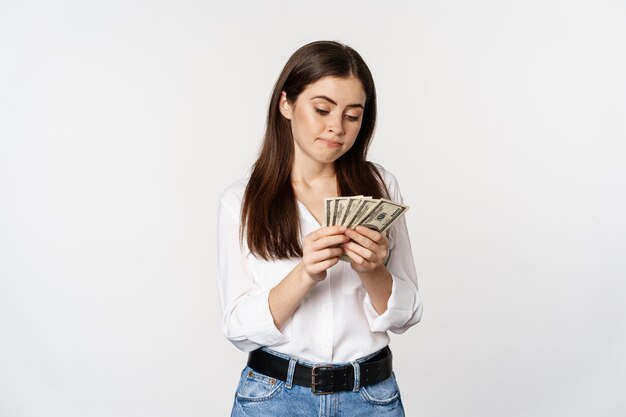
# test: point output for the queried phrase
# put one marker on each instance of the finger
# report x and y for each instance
(323, 266)
(356, 258)
(326, 231)
(324, 254)
(360, 250)
(373, 235)
(362, 240)
(329, 241)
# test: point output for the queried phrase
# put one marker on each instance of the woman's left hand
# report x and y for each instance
(367, 248)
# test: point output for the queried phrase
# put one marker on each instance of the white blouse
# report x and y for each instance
(336, 322)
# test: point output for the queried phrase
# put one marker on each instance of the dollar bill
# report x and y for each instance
(328, 203)
(351, 208)
(381, 217)
(376, 214)
(362, 211)
(339, 208)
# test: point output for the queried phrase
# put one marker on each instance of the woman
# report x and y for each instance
(286, 297)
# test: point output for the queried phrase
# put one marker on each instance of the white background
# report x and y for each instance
(121, 123)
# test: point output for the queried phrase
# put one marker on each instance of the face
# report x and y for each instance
(325, 118)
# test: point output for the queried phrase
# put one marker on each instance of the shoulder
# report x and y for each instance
(390, 181)
(232, 196)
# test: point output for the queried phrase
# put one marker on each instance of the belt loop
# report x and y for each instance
(357, 376)
(290, 373)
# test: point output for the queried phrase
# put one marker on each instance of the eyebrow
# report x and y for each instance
(333, 101)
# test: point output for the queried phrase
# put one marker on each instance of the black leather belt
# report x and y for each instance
(324, 379)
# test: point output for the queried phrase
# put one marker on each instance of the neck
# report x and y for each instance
(308, 172)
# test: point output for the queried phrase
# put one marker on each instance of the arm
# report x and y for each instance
(368, 250)
(319, 254)
(252, 316)
(392, 301)
(404, 307)
(246, 318)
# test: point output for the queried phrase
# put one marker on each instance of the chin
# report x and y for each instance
(329, 159)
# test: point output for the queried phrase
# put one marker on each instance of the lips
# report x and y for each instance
(330, 142)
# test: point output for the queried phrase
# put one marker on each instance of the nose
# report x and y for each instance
(335, 125)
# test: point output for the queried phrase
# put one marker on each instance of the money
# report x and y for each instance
(383, 215)
(351, 206)
(376, 214)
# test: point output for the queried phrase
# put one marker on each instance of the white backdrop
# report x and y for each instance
(121, 123)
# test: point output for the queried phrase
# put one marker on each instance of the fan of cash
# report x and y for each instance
(377, 214)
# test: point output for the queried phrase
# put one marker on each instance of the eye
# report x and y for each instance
(325, 112)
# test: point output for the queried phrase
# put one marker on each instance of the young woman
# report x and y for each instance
(316, 326)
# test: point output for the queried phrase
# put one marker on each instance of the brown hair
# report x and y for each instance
(269, 190)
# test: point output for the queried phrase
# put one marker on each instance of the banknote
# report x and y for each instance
(363, 210)
(329, 205)
(335, 208)
(376, 214)
(383, 215)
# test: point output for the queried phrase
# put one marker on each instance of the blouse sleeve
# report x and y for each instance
(246, 318)
(404, 308)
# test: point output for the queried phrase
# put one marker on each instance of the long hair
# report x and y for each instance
(269, 191)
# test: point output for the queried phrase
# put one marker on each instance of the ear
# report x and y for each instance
(284, 106)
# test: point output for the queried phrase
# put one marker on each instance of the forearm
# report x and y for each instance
(378, 285)
(285, 297)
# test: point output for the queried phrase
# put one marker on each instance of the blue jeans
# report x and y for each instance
(259, 395)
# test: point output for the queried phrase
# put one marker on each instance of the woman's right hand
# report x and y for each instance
(321, 250)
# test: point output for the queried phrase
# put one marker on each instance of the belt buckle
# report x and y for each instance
(314, 383)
